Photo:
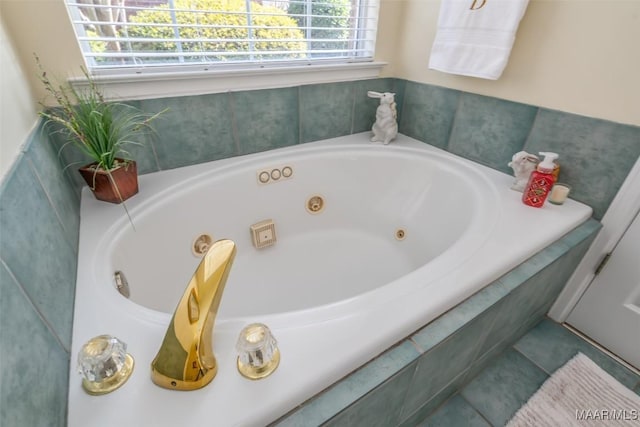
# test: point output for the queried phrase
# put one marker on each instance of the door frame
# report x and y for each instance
(615, 222)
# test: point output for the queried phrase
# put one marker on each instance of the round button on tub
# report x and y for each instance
(264, 177)
(287, 171)
(276, 174)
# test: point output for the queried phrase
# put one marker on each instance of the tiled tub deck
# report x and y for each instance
(496, 393)
(406, 383)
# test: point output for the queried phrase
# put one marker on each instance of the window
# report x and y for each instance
(120, 35)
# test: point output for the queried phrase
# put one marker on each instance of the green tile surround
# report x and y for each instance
(39, 223)
(513, 381)
(432, 364)
(496, 393)
(565, 345)
(490, 130)
(595, 155)
(38, 196)
(456, 413)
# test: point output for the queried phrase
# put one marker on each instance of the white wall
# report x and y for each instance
(578, 56)
(17, 111)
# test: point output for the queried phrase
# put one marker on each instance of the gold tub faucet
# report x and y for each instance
(185, 360)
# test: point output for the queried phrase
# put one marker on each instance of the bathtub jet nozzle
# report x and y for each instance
(185, 360)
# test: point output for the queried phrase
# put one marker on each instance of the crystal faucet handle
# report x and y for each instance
(258, 354)
(104, 364)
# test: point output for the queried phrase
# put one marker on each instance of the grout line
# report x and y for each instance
(234, 123)
(403, 106)
(434, 395)
(299, 133)
(10, 173)
(53, 207)
(483, 338)
(300, 118)
(150, 137)
(440, 406)
(407, 389)
(475, 409)
(533, 361)
(417, 346)
(533, 124)
(30, 302)
(453, 122)
(353, 107)
(34, 170)
(601, 348)
(370, 391)
(589, 341)
(595, 345)
(406, 393)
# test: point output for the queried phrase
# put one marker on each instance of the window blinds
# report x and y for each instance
(134, 34)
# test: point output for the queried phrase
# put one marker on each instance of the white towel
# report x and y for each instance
(474, 37)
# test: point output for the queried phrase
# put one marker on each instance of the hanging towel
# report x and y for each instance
(474, 37)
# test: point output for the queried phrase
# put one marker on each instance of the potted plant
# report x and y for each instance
(101, 130)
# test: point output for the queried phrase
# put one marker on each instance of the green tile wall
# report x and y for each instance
(444, 355)
(39, 220)
(490, 130)
(265, 119)
(595, 155)
(428, 113)
(39, 200)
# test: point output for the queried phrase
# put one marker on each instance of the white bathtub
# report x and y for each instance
(337, 288)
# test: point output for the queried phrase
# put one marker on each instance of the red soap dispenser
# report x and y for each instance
(540, 182)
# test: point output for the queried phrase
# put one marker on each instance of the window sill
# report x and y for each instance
(162, 85)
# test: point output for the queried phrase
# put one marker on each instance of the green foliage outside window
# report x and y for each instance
(96, 45)
(232, 29)
(332, 14)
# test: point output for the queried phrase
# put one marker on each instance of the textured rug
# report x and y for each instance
(580, 394)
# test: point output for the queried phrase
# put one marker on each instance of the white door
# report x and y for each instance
(609, 311)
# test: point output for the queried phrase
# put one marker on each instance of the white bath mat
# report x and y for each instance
(580, 394)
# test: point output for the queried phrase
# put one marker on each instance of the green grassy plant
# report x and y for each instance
(100, 129)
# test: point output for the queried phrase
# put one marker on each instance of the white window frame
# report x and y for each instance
(177, 80)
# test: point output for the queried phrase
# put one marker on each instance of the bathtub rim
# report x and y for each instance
(144, 403)
(193, 177)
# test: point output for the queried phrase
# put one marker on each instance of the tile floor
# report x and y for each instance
(498, 391)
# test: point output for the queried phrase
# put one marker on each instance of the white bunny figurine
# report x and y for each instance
(522, 164)
(385, 128)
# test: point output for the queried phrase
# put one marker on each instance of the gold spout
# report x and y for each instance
(185, 360)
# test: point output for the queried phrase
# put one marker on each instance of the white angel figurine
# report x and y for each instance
(385, 128)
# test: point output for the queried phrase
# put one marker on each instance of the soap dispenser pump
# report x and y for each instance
(540, 182)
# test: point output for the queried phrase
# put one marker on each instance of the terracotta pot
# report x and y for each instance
(114, 186)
